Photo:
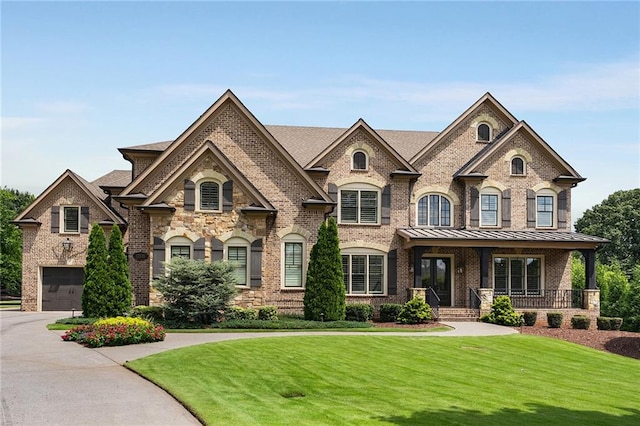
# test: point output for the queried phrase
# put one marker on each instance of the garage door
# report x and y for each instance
(62, 289)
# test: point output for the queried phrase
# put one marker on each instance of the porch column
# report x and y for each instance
(484, 253)
(417, 266)
(589, 269)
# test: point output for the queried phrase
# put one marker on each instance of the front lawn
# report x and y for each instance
(399, 380)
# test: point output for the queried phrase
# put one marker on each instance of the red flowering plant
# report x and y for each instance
(116, 331)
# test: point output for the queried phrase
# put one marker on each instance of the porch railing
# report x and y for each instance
(545, 299)
(474, 300)
(434, 301)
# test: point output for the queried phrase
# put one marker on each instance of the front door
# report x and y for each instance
(436, 273)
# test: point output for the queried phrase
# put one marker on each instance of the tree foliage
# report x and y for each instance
(194, 290)
(12, 203)
(324, 296)
(119, 273)
(97, 291)
(614, 286)
(617, 219)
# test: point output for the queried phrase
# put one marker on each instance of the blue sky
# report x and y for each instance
(81, 79)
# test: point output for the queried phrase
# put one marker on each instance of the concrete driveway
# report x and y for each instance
(45, 381)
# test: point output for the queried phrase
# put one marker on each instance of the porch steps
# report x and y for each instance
(457, 314)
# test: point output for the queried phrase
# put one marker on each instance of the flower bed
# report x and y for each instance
(116, 331)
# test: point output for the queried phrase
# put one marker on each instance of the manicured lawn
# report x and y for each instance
(312, 380)
(10, 304)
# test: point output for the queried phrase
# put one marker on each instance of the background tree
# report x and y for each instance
(119, 274)
(97, 290)
(617, 219)
(12, 203)
(614, 286)
(324, 296)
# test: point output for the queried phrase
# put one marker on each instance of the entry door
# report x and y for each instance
(62, 289)
(436, 273)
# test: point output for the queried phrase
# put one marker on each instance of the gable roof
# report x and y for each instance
(114, 179)
(486, 98)
(362, 125)
(229, 97)
(478, 159)
(91, 190)
(225, 164)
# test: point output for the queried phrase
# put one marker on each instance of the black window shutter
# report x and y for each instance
(158, 256)
(474, 218)
(217, 250)
(386, 205)
(189, 195)
(562, 209)
(256, 263)
(198, 249)
(333, 193)
(531, 208)
(392, 268)
(84, 219)
(227, 196)
(506, 208)
(55, 219)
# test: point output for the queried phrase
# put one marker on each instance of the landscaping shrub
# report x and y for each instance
(609, 323)
(116, 331)
(97, 285)
(502, 313)
(237, 313)
(76, 320)
(196, 291)
(289, 324)
(389, 312)
(580, 322)
(616, 323)
(119, 274)
(359, 312)
(152, 313)
(530, 318)
(415, 311)
(268, 313)
(554, 319)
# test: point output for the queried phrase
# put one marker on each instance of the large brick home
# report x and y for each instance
(479, 209)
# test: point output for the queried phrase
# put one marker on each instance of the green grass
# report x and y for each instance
(315, 380)
(10, 304)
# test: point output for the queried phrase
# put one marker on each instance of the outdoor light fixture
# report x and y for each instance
(67, 245)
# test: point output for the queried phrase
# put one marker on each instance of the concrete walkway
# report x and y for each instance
(45, 381)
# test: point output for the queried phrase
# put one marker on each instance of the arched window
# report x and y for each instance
(518, 166)
(209, 195)
(434, 210)
(484, 132)
(359, 161)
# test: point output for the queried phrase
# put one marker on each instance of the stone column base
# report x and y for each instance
(417, 292)
(591, 299)
(486, 300)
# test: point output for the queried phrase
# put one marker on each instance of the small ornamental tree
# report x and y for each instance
(324, 296)
(119, 274)
(97, 289)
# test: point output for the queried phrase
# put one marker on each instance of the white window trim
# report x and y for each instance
(366, 160)
(548, 193)
(361, 251)
(451, 206)
(293, 238)
(525, 257)
(498, 194)
(177, 241)
(62, 228)
(478, 132)
(239, 242)
(524, 166)
(360, 187)
(201, 210)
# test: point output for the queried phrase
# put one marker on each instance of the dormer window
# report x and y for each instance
(483, 132)
(359, 161)
(518, 166)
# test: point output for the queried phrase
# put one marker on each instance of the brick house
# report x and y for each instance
(479, 209)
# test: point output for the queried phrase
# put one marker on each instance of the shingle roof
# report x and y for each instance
(115, 178)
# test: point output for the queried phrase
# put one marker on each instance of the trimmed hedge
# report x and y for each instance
(289, 324)
(502, 313)
(361, 312)
(530, 318)
(554, 319)
(236, 313)
(389, 312)
(609, 323)
(580, 322)
(415, 311)
(268, 313)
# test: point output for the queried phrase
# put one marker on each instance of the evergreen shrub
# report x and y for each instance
(530, 318)
(554, 319)
(358, 312)
(237, 313)
(389, 312)
(502, 313)
(580, 322)
(268, 313)
(415, 311)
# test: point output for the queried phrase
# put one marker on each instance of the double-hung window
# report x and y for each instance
(544, 211)
(238, 256)
(359, 206)
(517, 275)
(488, 209)
(71, 219)
(363, 273)
(434, 210)
(183, 252)
(293, 264)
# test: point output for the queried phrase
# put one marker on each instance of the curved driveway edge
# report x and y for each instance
(45, 380)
